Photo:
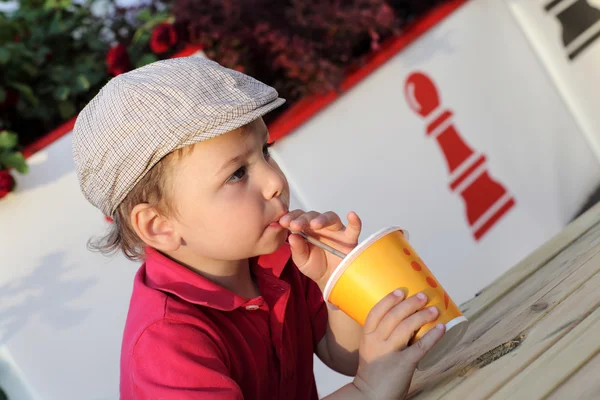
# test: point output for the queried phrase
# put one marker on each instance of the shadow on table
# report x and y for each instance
(47, 293)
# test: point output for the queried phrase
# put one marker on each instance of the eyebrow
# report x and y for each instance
(239, 157)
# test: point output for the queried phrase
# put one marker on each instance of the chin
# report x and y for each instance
(273, 243)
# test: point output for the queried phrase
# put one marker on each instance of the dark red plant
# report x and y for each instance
(297, 46)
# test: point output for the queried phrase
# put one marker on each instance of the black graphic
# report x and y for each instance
(580, 24)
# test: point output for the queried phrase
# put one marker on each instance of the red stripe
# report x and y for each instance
(306, 108)
(468, 172)
(49, 138)
(438, 121)
(188, 50)
(490, 222)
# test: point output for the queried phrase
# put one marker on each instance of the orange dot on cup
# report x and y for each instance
(446, 300)
(407, 252)
(431, 282)
(416, 266)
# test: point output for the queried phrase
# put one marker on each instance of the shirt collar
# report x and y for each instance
(169, 276)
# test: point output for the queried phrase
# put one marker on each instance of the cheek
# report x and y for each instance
(232, 211)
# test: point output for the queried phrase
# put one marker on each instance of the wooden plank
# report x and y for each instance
(539, 336)
(512, 314)
(584, 384)
(557, 364)
(528, 266)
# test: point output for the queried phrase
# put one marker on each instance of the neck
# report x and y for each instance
(233, 275)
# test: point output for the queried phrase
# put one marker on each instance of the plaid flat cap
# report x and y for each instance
(141, 116)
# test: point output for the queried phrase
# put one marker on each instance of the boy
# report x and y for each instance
(223, 308)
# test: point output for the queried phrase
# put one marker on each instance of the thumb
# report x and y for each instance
(300, 250)
(417, 351)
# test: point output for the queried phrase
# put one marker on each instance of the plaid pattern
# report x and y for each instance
(141, 116)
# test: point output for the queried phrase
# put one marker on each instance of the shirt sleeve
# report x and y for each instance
(174, 360)
(317, 309)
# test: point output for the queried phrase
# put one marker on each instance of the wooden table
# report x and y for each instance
(535, 332)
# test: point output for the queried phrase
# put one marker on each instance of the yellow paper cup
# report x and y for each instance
(382, 263)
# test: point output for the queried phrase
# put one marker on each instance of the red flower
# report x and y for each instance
(7, 183)
(117, 60)
(163, 38)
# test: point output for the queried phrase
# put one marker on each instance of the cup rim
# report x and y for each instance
(347, 261)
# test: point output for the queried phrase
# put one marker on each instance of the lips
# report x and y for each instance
(275, 222)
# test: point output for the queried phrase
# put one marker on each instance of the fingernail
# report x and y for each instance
(433, 309)
(285, 218)
(399, 293)
(421, 296)
(440, 327)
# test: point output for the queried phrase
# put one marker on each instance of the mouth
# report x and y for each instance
(275, 223)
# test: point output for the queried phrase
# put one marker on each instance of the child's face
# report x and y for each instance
(227, 193)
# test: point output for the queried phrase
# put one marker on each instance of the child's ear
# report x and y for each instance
(154, 229)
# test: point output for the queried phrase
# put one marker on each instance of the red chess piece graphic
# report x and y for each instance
(486, 200)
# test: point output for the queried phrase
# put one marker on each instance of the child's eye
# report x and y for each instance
(266, 152)
(237, 175)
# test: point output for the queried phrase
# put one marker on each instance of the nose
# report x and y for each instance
(273, 180)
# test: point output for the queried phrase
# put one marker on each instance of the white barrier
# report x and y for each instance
(62, 308)
(566, 36)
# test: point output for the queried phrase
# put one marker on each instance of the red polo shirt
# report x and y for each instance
(189, 338)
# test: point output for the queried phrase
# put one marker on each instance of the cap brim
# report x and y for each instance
(241, 120)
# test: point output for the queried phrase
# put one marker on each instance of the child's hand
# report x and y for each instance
(313, 262)
(387, 363)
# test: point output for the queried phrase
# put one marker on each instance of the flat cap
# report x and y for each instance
(141, 116)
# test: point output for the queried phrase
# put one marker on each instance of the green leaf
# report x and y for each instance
(66, 109)
(57, 4)
(8, 139)
(146, 59)
(61, 93)
(26, 91)
(144, 15)
(4, 55)
(60, 74)
(141, 37)
(83, 83)
(41, 54)
(31, 69)
(14, 160)
(96, 44)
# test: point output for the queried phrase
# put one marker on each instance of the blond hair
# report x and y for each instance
(152, 189)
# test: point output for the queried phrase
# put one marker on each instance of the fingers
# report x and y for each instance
(381, 309)
(329, 220)
(406, 329)
(300, 250)
(400, 313)
(417, 351)
(354, 224)
(289, 217)
(299, 220)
